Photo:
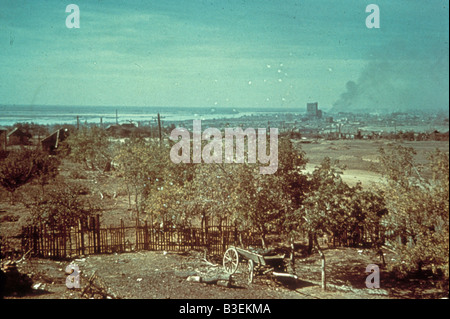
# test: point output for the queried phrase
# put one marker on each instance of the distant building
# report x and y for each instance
(3, 138)
(319, 114)
(123, 130)
(18, 137)
(312, 110)
(51, 142)
(129, 126)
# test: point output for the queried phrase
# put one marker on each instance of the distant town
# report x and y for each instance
(309, 125)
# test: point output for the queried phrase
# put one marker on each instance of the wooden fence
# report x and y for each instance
(91, 238)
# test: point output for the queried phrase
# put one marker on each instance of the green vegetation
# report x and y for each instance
(418, 218)
(90, 146)
(408, 213)
(20, 167)
(62, 207)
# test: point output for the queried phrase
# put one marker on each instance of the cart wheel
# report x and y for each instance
(250, 271)
(230, 260)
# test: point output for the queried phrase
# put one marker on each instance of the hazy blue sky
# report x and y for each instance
(248, 53)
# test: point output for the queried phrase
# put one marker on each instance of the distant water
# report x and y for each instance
(49, 115)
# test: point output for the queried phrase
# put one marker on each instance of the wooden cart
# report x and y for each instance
(255, 261)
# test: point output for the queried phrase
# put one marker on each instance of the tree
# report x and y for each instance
(22, 166)
(265, 201)
(330, 206)
(240, 193)
(46, 168)
(91, 146)
(237, 192)
(148, 172)
(418, 209)
(62, 207)
(373, 209)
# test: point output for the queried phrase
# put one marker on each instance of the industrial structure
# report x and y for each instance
(312, 110)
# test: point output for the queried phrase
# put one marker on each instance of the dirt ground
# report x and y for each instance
(360, 157)
(161, 276)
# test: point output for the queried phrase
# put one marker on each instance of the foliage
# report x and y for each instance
(241, 194)
(22, 166)
(188, 192)
(265, 201)
(62, 206)
(417, 200)
(32, 128)
(149, 173)
(91, 146)
(330, 206)
(46, 168)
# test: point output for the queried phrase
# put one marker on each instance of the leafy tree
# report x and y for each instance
(149, 173)
(22, 166)
(373, 209)
(91, 146)
(62, 207)
(330, 206)
(240, 193)
(209, 193)
(263, 202)
(418, 209)
(46, 168)
(333, 207)
(327, 206)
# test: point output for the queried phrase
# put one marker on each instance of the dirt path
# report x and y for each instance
(159, 275)
(353, 176)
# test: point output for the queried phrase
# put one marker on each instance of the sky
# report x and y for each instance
(225, 53)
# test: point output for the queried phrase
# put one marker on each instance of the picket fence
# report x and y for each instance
(90, 237)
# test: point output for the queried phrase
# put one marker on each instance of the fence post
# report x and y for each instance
(80, 229)
(40, 247)
(35, 241)
(91, 235)
(206, 241)
(97, 230)
(137, 235)
(52, 234)
(122, 236)
(92, 241)
(64, 250)
(46, 242)
(146, 244)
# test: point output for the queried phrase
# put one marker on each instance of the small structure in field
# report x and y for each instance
(121, 130)
(3, 138)
(18, 137)
(51, 142)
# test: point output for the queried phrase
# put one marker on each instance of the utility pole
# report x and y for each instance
(159, 128)
(151, 129)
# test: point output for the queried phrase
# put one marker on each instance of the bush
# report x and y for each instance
(75, 174)
(22, 166)
(418, 218)
(63, 206)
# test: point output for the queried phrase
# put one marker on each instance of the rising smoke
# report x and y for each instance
(392, 84)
